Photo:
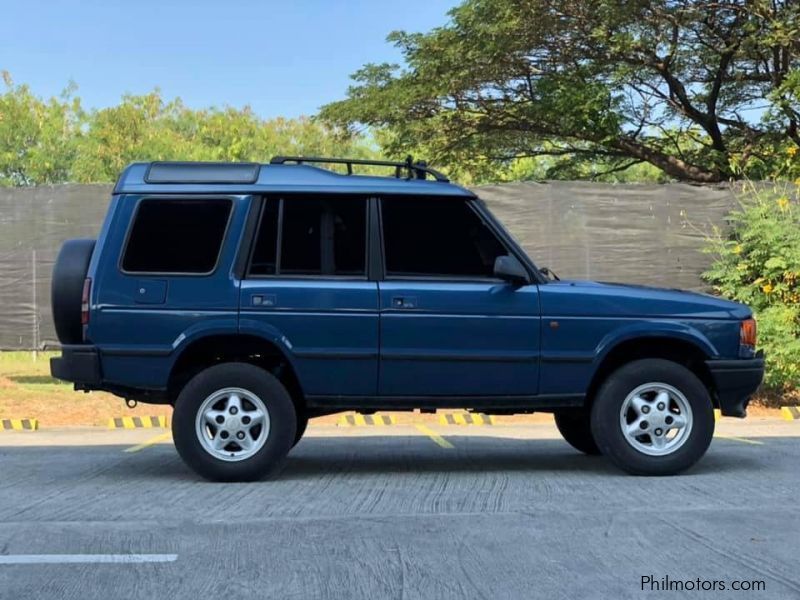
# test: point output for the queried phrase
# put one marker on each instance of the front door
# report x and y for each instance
(307, 288)
(448, 327)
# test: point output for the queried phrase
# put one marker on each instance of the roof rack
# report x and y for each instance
(415, 170)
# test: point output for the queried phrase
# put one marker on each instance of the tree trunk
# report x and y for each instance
(671, 165)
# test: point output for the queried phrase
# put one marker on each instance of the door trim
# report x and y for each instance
(335, 354)
(476, 357)
(488, 403)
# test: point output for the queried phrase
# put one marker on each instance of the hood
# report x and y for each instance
(591, 298)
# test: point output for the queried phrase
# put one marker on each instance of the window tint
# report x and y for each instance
(437, 237)
(264, 260)
(176, 236)
(319, 236)
(301, 249)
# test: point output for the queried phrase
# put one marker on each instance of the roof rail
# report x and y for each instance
(415, 170)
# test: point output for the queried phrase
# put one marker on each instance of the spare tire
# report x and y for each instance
(66, 289)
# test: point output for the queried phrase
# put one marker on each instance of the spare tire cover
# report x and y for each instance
(66, 289)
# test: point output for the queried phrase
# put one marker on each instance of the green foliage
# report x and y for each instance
(699, 91)
(55, 140)
(758, 263)
(37, 137)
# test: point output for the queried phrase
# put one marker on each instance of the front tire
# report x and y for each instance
(234, 422)
(653, 417)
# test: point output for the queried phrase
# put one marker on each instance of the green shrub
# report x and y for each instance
(758, 263)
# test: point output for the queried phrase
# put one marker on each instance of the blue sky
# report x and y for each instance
(283, 58)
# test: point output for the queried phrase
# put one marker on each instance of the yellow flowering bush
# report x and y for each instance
(758, 263)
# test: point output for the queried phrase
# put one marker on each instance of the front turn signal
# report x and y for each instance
(747, 333)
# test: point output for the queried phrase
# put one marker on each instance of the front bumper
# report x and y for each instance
(735, 381)
(79, 364)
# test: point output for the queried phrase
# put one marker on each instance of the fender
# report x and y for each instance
(199, 330)
(205, 329)
(271, 334)
(674, 330)
(252, 331)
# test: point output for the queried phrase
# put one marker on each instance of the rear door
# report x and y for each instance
(448, 326)
(307, 287)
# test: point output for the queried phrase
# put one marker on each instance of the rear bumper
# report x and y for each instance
(79, 364)
(735, 381)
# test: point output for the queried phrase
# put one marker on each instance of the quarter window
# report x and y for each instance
(437, 237)
(176, 236)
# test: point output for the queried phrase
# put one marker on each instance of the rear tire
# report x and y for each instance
(302, 424)
(234, 422)
(575, 427)
(653, 417)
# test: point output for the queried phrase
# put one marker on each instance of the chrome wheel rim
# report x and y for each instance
(232, 424)
(656, 419)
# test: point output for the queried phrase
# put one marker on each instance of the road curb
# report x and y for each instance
(365, 420)
(138, 422)
(19, 425)
(790, 413)
(465, 418)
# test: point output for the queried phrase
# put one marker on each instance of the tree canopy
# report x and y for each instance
(702, 91)
(56, 140)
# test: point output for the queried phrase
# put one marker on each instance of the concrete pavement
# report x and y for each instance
(498, 512)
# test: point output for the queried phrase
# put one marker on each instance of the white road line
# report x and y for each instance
(51, 559)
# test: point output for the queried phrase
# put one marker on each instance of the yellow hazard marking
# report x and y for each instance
(739, 439)
(138, 422)
(717, 414)
(465, 418)
(162, 437)
(790, 413)
(19, 424)
(434, 436)
(363, 420)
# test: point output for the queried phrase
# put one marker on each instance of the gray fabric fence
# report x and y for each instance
(646, 234)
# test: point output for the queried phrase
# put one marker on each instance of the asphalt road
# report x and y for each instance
(503, 512)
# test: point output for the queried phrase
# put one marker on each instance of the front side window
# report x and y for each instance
(176, 236)
(318, 236)
(437, 237)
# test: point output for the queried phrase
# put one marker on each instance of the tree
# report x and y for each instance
(37, 137)
(149, 128)
(56, 141)
(704, 91)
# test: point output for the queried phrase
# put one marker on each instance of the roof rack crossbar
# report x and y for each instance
(415, 170)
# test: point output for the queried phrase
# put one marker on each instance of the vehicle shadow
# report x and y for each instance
(318, 457)
(321, 456)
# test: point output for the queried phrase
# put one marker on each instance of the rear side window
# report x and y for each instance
(265, 253)
(437, 237)
(312, 236)
(176, 236)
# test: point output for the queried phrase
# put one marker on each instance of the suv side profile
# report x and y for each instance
(253, 297)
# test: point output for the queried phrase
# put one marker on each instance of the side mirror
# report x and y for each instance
(510, 269)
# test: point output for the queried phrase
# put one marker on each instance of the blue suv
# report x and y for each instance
(253, 297)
